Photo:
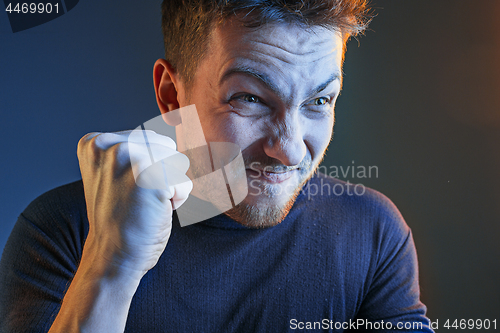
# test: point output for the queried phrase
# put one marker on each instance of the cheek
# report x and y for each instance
(229, 127)
(317, 136)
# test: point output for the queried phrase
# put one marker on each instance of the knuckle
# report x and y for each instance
(119, 158)
(94, 149)
(93, 146)
(84, 140)
(98, 142)
(120, 152)
(85, 145)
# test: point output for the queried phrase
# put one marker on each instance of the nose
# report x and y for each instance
(285, 141)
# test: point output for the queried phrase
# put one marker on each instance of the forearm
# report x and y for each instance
(99, 297)
(129, 227)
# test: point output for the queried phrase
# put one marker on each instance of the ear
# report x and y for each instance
(166, 86)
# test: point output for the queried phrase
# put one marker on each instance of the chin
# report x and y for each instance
(270, 199)
(264, 217)
(267, 206)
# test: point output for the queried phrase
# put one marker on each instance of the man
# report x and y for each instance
(263, 75)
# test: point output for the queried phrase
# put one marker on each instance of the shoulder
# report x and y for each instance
(67, 195)
(58, 216)
(64, 202)
(41, 256)
(368, 241)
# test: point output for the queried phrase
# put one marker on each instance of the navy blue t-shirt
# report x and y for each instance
(339, 261)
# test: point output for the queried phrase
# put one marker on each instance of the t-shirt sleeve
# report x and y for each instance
(392, 301)
(40, 259)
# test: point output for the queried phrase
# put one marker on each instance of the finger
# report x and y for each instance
(150, 137)
(85, 139)
(181, 193)
(158, 167)
(177, 203)
(143, 156)
(104, 141)
(100, 141)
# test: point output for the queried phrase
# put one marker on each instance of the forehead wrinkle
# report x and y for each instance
(257, 52)
(291, 62)
(297, 37)
(336, 73)
(289, 56)
(283, 47)
(247, 70)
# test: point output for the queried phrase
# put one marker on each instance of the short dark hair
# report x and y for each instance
(187, 24)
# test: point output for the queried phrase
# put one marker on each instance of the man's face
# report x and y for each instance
(271, 91)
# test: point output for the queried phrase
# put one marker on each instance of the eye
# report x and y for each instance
(320, 101)
(320, 106)
(250, 98)
(249, 105)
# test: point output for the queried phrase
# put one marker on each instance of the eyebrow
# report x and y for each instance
(266, 80)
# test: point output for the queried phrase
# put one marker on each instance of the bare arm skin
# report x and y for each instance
(129, 228)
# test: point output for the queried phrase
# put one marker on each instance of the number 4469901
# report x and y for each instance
(32, 8)
(471, 324)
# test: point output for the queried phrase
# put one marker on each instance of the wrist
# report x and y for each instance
(99, 297)
(103, 262)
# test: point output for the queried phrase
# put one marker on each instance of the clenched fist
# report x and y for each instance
(129, 225)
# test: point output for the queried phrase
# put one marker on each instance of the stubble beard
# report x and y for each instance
(263, 214)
